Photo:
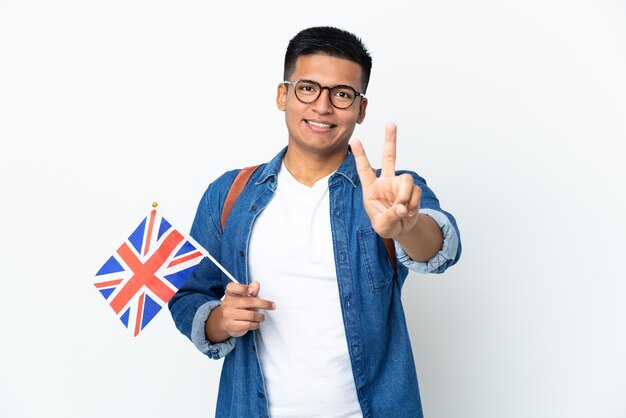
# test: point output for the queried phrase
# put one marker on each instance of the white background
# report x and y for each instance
(514, 112)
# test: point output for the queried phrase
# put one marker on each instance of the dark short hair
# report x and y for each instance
(327, 40)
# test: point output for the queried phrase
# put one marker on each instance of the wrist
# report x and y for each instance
(423, 240)
(409, 233)
(212, 327)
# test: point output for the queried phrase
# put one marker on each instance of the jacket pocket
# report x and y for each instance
(375, 259)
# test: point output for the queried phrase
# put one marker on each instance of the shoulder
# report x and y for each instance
(225, 180)
(218, 189)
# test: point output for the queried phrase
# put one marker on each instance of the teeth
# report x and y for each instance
(319, 125)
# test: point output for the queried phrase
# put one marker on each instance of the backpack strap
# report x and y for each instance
(235, 189)
(240, 182)
(391, 252)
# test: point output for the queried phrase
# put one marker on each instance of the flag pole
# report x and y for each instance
(230, 276)
(206, 253)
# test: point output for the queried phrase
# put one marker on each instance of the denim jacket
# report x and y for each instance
(373, 316)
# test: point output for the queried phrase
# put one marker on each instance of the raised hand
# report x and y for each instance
(390, 201)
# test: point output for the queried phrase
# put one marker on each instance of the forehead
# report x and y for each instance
(328, 70)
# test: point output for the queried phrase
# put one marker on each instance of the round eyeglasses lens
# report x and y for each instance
(307, 91)
(342, 97)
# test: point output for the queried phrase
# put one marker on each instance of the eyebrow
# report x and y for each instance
(330, 87)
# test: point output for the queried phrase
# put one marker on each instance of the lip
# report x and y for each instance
(315, 125)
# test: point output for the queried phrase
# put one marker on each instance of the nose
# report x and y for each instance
(322, 104)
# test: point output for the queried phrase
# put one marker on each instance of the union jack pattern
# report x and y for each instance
(146, 270)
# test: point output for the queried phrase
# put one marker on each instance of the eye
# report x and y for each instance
(307, 88)
(344, 93)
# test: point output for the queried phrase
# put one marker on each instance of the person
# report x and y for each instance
(316, 328)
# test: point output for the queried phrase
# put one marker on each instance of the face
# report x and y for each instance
(319, 127)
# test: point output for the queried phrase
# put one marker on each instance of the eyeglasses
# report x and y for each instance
(308, 91)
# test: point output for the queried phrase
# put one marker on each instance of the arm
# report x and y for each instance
(423, 240)
(402, 207)
(208, 313)
(204, 289)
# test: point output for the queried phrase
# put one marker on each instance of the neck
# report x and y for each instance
(309, 168)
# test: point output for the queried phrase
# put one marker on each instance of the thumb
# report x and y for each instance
(253, 289)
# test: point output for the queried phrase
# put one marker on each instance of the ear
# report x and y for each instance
(281, 97)
(362, 108)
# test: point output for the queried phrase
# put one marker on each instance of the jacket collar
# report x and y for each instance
(347, 169)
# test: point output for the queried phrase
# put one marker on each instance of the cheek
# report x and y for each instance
(292, 118)
(292, 105)
(352, 118)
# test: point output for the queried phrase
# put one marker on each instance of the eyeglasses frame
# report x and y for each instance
(330, 89)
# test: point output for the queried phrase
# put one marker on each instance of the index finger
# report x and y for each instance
(363, 167)
(389, 151)
(254, 303)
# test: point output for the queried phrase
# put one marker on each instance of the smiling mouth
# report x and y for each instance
(320, 124)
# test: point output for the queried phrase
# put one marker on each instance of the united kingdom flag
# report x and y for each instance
(146, 270)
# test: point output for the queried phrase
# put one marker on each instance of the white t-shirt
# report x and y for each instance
(301, 345)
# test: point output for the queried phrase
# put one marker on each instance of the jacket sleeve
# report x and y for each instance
(451, 249)
(202, 292)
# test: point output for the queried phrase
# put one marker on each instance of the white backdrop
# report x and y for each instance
(513, 111)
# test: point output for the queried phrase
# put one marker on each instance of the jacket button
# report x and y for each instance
(261, 396)
(241, 253)
(253, 208)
